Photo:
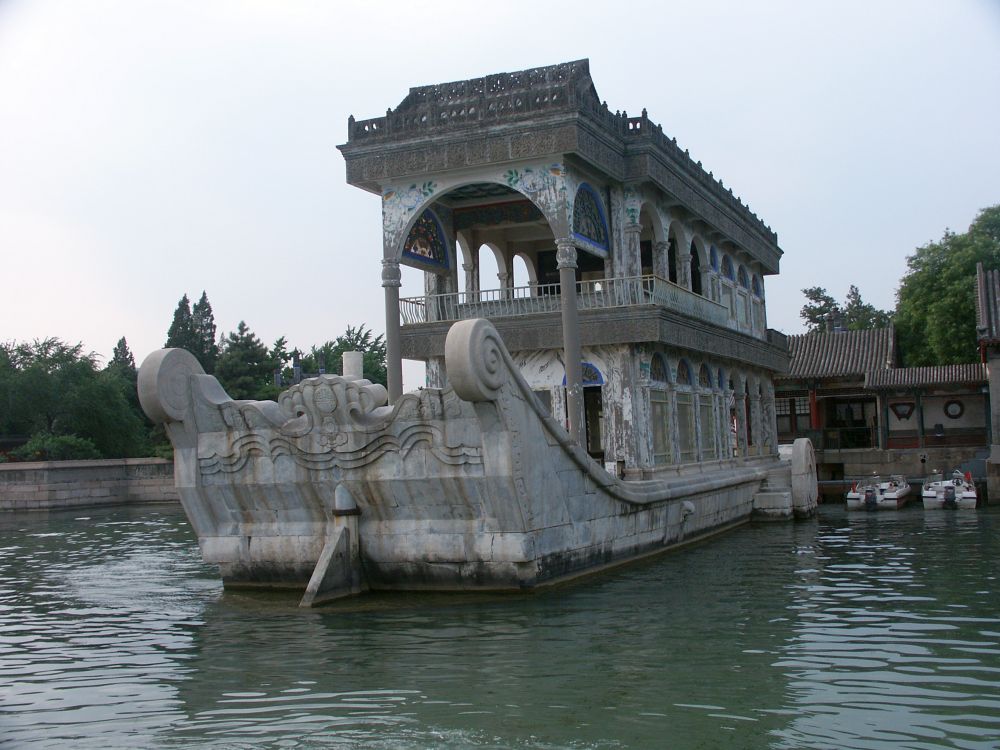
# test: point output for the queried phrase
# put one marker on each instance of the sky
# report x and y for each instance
(154, 149)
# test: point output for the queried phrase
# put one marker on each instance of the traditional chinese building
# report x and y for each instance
(642, 324)
(844, 392)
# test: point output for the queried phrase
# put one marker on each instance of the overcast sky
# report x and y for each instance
(152, 149)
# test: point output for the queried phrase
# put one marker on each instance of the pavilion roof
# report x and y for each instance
(936, 375)
(840, 354)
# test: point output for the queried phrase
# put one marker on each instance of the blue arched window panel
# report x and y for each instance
(704, 377)
(683, 373)
(727, 268)
(425, 244)
(591, 375)
(744, 280)
(658, 371)
(713, 258)
(590, 223)
(755, 284)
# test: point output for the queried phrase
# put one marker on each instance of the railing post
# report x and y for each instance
(391, 282)
(566, 262)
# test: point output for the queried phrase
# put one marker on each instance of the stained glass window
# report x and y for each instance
(683, 373)
(658, 369)
(425, 243)
(727, 268)
(588, 217)
(704, 377)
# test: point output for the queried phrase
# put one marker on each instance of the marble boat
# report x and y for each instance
(474, 486)
(616, 402)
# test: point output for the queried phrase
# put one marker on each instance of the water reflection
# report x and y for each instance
(852, 631)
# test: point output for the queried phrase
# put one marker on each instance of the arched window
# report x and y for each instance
(727, 268)
(672, 260)
(758, 290)
(695, 270)
(659, 408)
(706, 413)
(686, 431)
(425, 245)
(658, 369)
(589, 223)
(683, 372)
(713, 258)
(744, 280)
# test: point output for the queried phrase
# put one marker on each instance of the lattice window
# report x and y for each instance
(707, 414)
(683, 373)
(659, 403)
(685, 427)
(783, 406)
(658, 369)
(704, 378)
(802, 405)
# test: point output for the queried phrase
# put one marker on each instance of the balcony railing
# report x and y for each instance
(541, 298)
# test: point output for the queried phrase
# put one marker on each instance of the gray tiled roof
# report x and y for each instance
(840, 354)
(913, 377)
(987, 304)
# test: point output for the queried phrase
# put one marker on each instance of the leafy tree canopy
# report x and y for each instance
(355, 339)
(855, 314)
(55, 389)
(935, 305)
(194, 329)
(246, 366)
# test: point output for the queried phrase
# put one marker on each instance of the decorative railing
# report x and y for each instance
(542, 298)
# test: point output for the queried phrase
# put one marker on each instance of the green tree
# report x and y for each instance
(181, 334)
(203, 330)
(55, 389)
(935, 305)
(817, 309)
(855, 314)
(359, 339)
(246, 367)
(860, 315)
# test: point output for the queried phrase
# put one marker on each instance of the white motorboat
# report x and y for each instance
(876, 493)
(957, 491)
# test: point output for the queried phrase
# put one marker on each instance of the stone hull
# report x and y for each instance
(469, 487)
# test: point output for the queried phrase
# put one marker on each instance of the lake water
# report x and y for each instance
(850, 631)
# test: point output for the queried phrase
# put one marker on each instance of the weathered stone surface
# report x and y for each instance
(473, 486)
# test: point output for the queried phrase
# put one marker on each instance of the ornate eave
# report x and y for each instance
(548, 112)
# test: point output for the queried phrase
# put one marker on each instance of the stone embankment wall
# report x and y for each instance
(48, 485)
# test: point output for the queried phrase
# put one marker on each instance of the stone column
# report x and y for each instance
(631, 264)
(391, 281)
(470, 278)
(993, 402)
(756, 421)
(769, 420)
(698, 426)
(566, 263)
(741, 423)
(661, 259)
(684, 267)
(505, 284)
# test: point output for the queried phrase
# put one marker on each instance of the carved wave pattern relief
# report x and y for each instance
(257, 446)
